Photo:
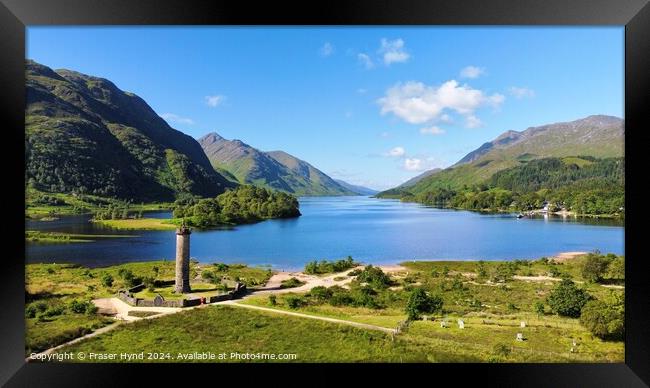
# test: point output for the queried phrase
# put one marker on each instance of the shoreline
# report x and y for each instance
(389, 265)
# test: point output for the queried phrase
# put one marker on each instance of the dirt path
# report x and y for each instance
(301, 315)
(311, 281)
(121, 309)
(78, 339)
(564, 256)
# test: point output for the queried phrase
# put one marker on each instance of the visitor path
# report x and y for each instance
(301, 315)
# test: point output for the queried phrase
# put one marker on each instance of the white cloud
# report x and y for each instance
(445, 118)
(472, 72)
(365, 60)
(396, 152)
(520, 93)
(417, 103)
(214, 101)
(432, 130)
(174, 118)
(384, 134)
(413, 164)
(327, 49)
(393, 51)
(473, 122)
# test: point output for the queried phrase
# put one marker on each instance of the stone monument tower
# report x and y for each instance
(182, 260)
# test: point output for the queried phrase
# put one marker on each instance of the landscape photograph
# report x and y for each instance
(324, 194)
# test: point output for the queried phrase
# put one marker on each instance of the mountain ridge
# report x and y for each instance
(85, 135)
(596, 135)
(275, 169)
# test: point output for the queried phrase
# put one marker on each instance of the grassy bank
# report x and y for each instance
(34, 236)
(138, 224)
(46, 206)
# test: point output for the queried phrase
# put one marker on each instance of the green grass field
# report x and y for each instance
(138, 224)
(221, 329)
(55, 286)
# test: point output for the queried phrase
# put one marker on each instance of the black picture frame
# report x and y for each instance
(15, 15)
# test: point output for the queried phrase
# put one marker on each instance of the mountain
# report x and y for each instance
(418, 178)
(596, 136)
(277, 170)
(85, 135)
(320, 183)
(357, 189)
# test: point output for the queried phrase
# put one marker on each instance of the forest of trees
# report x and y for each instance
(243, 204)
(585, 185)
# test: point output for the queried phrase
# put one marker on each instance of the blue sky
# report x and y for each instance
(370, 105)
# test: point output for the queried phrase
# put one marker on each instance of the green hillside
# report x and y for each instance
(85, 136)
(577, 143)
(273, 170)
(584, 185)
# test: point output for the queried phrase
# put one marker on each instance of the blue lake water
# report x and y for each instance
(378, 231)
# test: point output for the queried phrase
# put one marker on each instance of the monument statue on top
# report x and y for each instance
(182, 284)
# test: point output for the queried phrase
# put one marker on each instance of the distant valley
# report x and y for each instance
(276, 169)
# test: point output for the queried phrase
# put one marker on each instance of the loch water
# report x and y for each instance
(378, 231)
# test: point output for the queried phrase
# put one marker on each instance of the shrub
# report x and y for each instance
(321, 293)
(294, 301)
(419, 302)
(107, 280)
(364, 297)
(341, 299)
(374, 276)
(149, 283)
(211, 277)
(291, 283)
(35, 309)
(616, 268)
(273, 300)
(324, 266)
(567, 300)
(82, 307)
(221, 267)
(129, 278)
(604, 319)
(553, 271)
(539, 308)
(594, 267)
(51, 312)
